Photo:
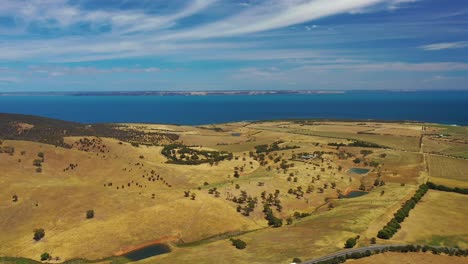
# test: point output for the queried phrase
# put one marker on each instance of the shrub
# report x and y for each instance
(350, 243)
(39, 234)
(90, 214)
(296, 260)
(45, 256)
(239, 244)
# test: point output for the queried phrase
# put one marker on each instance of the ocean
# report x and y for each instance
(449, 107)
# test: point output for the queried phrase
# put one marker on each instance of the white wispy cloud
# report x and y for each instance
(138, 33)
(63, 71)
(272, 15)
(391, 67)
(445, 45)
(60, 14)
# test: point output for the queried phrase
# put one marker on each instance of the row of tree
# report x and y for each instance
(392, 227)
(444, 188)
(403, 249)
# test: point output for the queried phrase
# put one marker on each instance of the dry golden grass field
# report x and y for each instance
(438, 220)
(196, 187)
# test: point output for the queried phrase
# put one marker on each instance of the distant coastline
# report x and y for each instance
(198, 108)
(169, 93)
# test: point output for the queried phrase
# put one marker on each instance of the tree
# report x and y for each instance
(15, 198)
(90, 214)
(39, 234)
(350, 243)
(373, 240)
(37, 162)
(296, 260)
(45, 256)
(362, 187)
(239, 244)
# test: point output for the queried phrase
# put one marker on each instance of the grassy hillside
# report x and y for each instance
(279, 187)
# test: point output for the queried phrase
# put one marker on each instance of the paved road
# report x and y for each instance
(348, 251)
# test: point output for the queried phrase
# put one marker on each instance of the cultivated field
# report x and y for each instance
(448, 168)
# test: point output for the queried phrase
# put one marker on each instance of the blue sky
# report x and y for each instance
(135, 45)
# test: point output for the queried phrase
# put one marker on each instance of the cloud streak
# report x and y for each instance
(137, 32)
(445, 46)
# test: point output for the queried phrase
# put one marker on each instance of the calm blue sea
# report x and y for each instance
(439, 107)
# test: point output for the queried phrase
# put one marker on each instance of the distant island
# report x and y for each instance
(170, 93)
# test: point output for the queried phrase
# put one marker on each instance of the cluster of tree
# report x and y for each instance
(85, 144)
(298, 192)
(299, 215)
(403, 249)
(272, 220)
(273, 147)
(285, 165)
(239, 244)
(379, 182)
(246, 200)
(38, 162)
(52, 131)
(214, 191)
(180, 154)
(272, 200)
(351, 242)
(443, 188)
(342, 155)
(392, 227)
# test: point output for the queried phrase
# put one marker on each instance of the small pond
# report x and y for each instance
(354, 194)
(358, 171)
(146, 252)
